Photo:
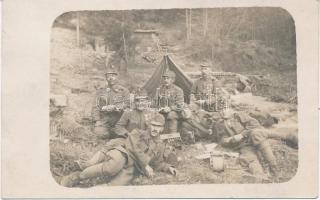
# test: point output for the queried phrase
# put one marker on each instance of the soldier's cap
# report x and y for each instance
(204, 65)
(157, 119)
(111, 70)
(169, 73)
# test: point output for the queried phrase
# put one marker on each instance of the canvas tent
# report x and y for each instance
(182, 79)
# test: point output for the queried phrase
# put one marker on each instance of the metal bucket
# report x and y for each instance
(217, 163)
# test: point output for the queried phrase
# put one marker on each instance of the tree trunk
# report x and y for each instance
(205, 21)
(78, 29)
(190, 22)
(125, 53)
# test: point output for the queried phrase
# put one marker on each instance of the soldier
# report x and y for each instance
(136, 118)
(243, 133)
(171, 101)
(198, 125)
(110, 104)
(142, 152)
(203, 90)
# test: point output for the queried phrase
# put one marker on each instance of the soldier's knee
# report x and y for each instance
(101, 132)
(172, 115)
(186, 125)
(115, 163)
(257, 137)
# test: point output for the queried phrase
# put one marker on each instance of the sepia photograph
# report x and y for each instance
(173, 97)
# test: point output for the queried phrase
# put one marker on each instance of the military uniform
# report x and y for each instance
(199, 125)
(254, 140)
(130, 120)
(205, 89)
(122, 159)
(171, 96)
(105, 121)
(203, 86)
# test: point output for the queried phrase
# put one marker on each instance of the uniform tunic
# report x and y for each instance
(171, 96)
(202, 87)
(130, 120)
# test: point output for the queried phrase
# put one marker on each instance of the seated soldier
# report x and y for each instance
(203, 90)
(243, 133)
(171, 101)
(122, 159)
(136, 118)
(110, 104)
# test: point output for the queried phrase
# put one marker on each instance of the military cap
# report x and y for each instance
(111, 70)
(169, 73)
(204, 65)
(157, 119)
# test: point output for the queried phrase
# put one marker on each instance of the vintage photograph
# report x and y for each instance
(173, 96)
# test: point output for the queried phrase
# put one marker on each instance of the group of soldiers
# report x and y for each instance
(133, 134)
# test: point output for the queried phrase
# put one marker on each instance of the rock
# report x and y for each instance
(59, 100)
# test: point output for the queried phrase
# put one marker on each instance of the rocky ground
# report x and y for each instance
(76, 72)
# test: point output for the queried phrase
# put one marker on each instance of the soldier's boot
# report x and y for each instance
(292, 139)
(71, 180)
(266, 152)
(248, 159)
(289, 136)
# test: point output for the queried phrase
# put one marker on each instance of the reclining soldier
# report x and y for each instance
(171, 101)
(198, 125)
(122, 159)
(110, 104)
(240, 132)
(136, 118)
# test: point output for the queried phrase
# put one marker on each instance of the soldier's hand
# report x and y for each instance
(149, 171)
(173, 171)
(108, 108)
(201, 101)
(226, 140)
(166, 109)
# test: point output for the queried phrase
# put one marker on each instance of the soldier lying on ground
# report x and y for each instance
(198, 125)
(122, 159)
(110, 104)
(136, 118)
(240, 132)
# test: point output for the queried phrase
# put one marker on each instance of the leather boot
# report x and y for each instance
(266, 152)
(71, 180)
